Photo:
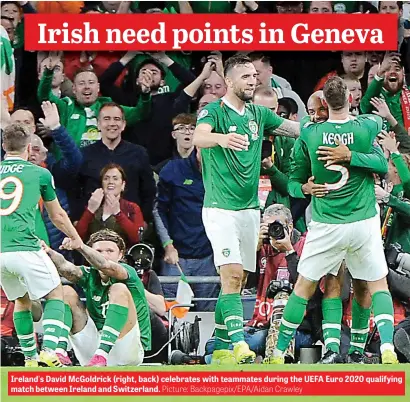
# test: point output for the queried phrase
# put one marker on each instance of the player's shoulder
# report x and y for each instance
(369, 119)
(213, 107)
(307, 126)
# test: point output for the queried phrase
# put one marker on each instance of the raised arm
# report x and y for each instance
(65, 268)
(98, 261)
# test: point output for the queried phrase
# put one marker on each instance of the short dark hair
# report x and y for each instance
(154, 62)
(399, 4)
(112, 104)
(110, 166)
(290, 105)
(237, 60)
(84, 70)
(335, 92)
(107, 235)
(254, 56)
(16, 137)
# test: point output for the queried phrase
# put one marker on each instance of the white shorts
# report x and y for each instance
(30, 272)
(233, 236)
(127, 351)
(359, 243)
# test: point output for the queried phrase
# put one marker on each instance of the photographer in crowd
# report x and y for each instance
(141, 257)
(279, 248)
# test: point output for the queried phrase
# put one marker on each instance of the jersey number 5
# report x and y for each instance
(16, 195)
(343, 180)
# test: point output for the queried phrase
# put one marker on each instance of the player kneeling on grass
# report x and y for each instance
(115, 330)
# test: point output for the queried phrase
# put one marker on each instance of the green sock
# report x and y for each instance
(232, 313)
(360, 327)
(384, 318)
(53, 322)
(68, 324)
(332, 310)
(115, 320)
(23, 322)
(292, 317)
(222, 340)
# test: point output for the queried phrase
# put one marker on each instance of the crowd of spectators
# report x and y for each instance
(124, 158)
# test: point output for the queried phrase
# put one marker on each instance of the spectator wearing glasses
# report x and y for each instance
(181, 230)
(182, 133)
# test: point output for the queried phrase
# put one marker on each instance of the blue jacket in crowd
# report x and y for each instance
(179, 205)
(68, 166)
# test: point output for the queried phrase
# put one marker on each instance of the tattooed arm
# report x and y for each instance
(288, 128)
(107, 267)
(65, 268)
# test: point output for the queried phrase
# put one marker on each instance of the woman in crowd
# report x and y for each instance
(107, 209)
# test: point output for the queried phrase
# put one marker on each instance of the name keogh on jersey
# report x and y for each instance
(343, 138)
(11, 169)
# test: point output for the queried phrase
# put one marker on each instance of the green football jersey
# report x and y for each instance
(351, 197)
(97, 299)
(230, 177)
(22, 184)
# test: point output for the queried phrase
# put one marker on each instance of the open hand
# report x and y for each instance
(236, 142)
(331, 155)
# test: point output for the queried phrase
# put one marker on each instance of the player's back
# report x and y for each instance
(21, 185)
(351, 197)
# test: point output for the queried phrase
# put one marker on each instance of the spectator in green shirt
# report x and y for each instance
(79, 114)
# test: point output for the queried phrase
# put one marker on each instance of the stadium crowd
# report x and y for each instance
(115, 130)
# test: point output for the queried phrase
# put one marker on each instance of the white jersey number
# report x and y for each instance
(104, 308)
(343, 180)
(16, 195)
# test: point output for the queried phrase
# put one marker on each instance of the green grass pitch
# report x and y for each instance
(247, 368)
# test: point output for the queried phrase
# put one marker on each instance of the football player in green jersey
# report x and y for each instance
(116, 328)
(332, 307)
(229, 133)
(27, 273)
(345, 223)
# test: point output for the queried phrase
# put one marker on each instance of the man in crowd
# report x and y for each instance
(179, 203)
(113, 149)
(266, 78)
(79, 115)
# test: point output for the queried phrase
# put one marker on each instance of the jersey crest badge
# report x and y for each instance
(226, 252)
(203, 113)
(254, 130)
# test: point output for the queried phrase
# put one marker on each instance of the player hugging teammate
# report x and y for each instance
(345, 222)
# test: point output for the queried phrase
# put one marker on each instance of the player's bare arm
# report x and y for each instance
(288, 128)
(107, 267)
(61, 220)
(65, 268)
(205, 138)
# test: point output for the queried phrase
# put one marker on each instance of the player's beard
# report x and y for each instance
(244, 95)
